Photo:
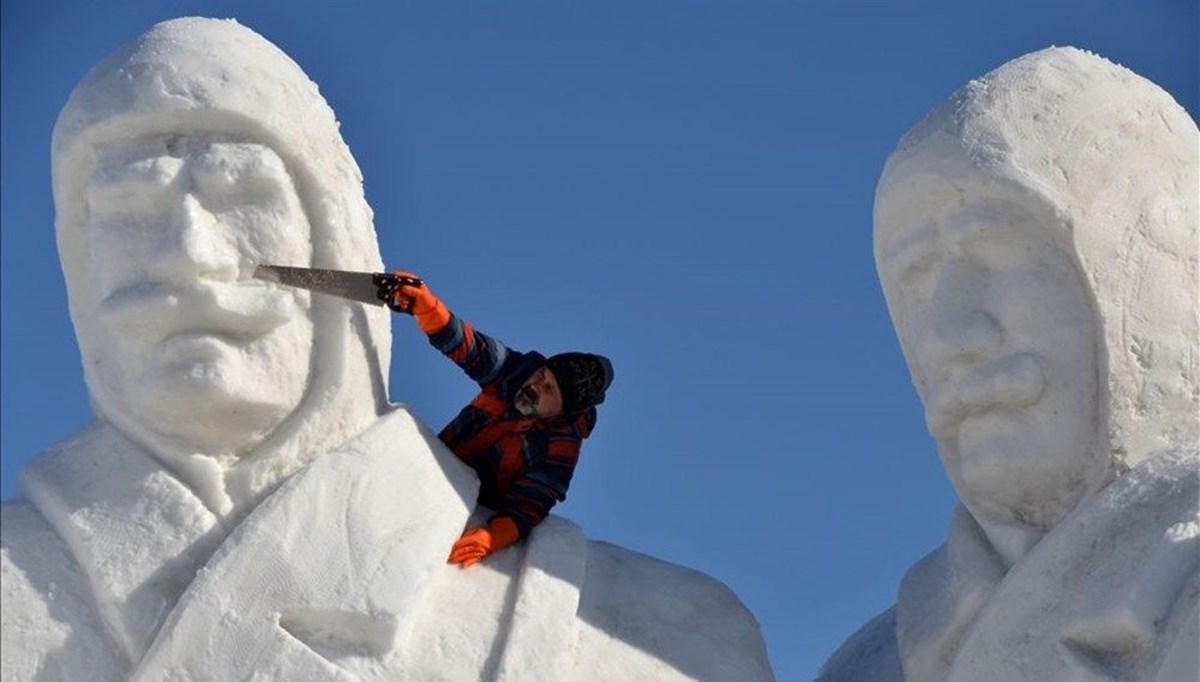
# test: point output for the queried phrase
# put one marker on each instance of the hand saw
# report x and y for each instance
(374, 288)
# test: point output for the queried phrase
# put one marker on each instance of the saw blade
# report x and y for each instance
(355, 286)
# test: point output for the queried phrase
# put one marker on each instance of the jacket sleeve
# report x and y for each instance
(479, 355)
(544, 483)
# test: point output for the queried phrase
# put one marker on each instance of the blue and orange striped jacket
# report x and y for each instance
(524, 464)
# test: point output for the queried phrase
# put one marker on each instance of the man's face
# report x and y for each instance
(190, 348)
(1000, 337)
(539, 396)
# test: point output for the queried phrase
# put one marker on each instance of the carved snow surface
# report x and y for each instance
(1037, 241)
(248, 504)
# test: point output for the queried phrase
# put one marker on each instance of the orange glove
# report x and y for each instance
(480, 541)
(432, 315)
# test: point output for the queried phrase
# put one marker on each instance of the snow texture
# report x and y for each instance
(247, 504)
(1037, 241)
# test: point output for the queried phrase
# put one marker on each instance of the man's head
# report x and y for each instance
(568, 383)
(1034, 236)
(180, 161)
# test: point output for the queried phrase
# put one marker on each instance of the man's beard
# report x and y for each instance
(526, 402)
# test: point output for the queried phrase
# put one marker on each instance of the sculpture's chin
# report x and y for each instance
(226, 427)
(1009, 471)
(204, 392)
(210, 406)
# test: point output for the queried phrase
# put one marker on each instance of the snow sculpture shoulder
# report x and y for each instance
(1036, 237)
(247, 504)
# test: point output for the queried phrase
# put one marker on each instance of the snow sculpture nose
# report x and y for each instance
(197, 247)
(971, 335)
(960, 330)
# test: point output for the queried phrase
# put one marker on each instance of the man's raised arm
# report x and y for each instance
(478, 354)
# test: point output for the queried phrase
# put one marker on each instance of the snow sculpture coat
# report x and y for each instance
(112, 569)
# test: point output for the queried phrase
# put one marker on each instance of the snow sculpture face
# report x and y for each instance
(1036, 241)
(189, 153)
(199, 353)
(998, 325)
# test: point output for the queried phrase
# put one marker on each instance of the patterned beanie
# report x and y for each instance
(582, 379)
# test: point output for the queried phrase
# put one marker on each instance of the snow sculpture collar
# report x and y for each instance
(196, 78)
(1102, 163)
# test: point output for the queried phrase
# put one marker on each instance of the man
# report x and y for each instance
(247, 504)
(523, 432)
(1036, 241)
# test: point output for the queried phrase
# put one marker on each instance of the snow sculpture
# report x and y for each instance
(247, 504)
(1036, 237)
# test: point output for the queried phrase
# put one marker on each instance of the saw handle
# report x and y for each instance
(389, 283)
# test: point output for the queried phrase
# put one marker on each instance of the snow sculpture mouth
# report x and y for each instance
(239, 312)
(1009, 383)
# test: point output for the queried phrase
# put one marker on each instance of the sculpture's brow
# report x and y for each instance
(236, 168)
(145, 171)
(981, 230)
(910, 250)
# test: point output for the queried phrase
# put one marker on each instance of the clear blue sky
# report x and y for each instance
(684, 186)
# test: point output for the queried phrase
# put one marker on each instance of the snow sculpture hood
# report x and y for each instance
(1107, 162)
(209, 76)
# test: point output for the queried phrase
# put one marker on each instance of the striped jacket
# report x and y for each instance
(524, 464)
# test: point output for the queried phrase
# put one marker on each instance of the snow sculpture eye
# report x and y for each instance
(131, 193)
(230, 175)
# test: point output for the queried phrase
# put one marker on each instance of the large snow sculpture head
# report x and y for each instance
(1036, 237)
(179, 161)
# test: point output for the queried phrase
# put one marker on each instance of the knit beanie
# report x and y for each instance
(582, 379)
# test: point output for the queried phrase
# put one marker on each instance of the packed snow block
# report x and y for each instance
(1036, 239)
(547, 601)
(248, 503)
(512, 617)
(560, 608)
(641, 618)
